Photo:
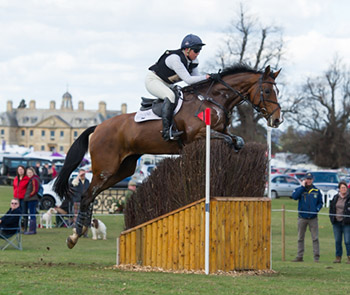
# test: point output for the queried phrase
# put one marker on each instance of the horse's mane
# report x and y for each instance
(237, 68)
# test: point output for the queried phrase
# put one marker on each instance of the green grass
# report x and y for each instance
(47, 266)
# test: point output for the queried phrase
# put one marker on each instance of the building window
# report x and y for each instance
(52, 134)
(42, 133)
(75, 134)
(31, 133)
(61, 148)
(23, 132)
(43, 148)
(62, 134)
(2, 132)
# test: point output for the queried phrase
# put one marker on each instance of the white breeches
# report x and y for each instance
(157, 87)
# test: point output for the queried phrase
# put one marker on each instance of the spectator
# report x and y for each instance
(53, 171)
(31, 199)
(62, 210)
(121, 202)
(339, 214)
(10, 219)
(78, 186)
(37, 168)
(310, 203)
(20, 184)
(45, 176)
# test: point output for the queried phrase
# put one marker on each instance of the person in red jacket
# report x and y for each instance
(20, 184)
(31, 200)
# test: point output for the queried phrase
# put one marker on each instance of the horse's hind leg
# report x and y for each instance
(98, 184)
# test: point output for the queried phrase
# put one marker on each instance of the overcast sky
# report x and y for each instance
(101, 49)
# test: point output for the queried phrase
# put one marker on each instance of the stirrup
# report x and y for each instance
(174, 134)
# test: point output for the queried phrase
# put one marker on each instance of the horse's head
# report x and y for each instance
(263, 96)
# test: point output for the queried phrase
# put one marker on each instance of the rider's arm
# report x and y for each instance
(173, 62)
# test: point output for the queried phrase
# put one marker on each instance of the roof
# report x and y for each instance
(73, 118)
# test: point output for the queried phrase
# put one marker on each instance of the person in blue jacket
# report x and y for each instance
(310, 203)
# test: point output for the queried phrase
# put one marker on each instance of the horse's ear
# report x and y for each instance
(276, 73)
(267, 72)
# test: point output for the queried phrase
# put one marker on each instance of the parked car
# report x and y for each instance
(9, 166)
(299, 175)
(142, 172)
(325, 180)
(50, 198)
(283, 185)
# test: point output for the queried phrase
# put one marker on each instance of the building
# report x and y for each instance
(50, 129)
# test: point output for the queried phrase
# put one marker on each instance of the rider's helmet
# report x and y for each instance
(192, 41)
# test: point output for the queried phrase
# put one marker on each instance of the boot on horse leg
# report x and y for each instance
(167, 118)
(81, 227)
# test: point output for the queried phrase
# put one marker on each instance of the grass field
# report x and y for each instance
(47, 266)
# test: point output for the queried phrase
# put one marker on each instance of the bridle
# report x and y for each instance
(244, 98)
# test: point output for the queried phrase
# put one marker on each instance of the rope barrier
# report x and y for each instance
(70, 215)
(309, 212)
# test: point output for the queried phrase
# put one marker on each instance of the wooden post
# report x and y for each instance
(283, 233)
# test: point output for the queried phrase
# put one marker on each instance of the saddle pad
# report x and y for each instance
(148, 115)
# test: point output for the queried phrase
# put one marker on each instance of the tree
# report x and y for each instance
(247, 41)
(323, 109)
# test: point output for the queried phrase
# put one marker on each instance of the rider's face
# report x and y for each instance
(191, 54)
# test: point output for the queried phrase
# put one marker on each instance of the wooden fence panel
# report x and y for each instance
(239, 237)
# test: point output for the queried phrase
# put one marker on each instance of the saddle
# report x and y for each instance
(151, 108)
(156, 104)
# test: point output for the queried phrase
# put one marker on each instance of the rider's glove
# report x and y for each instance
(215, 77)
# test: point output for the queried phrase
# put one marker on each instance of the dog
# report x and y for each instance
(47, 217)
(98, 229)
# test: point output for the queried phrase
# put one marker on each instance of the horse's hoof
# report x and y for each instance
(239, 143)
(70, 243)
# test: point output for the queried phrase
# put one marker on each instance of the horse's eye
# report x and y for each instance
(267, 91)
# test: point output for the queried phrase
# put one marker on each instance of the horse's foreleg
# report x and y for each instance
(234, 141)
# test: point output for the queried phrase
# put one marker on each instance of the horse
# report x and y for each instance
(116, 144)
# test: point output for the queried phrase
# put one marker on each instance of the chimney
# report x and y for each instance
(52, 105)
(124, 108)
(32, 105)
(80, 106)
(9, 106)
(102, 108)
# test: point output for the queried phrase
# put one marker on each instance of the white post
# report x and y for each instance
(118, 253)
(207, 191)
(269, 181)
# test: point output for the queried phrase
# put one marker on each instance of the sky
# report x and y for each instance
(100, 50)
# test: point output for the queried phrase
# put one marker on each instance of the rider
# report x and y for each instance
(174, 66)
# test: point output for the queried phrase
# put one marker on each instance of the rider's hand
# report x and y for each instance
(215, 76)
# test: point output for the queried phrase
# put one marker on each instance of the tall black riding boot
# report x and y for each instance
(167, 118)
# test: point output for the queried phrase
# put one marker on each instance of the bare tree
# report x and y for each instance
(323, 109)
(247, 41)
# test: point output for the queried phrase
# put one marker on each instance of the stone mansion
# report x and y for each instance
(52, 129)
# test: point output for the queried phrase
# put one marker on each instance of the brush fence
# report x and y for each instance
(240, 232)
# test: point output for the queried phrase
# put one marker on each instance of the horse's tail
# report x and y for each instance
(74, 157)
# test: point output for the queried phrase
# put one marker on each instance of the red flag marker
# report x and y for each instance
(205, 116)
(201, 116)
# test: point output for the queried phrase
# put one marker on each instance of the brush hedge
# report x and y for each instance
(179, 181)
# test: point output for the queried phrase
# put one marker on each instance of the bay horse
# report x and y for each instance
(116, 144)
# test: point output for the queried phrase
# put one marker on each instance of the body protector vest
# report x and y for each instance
(167, 74)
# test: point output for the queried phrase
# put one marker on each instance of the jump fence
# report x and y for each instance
(240, 230)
